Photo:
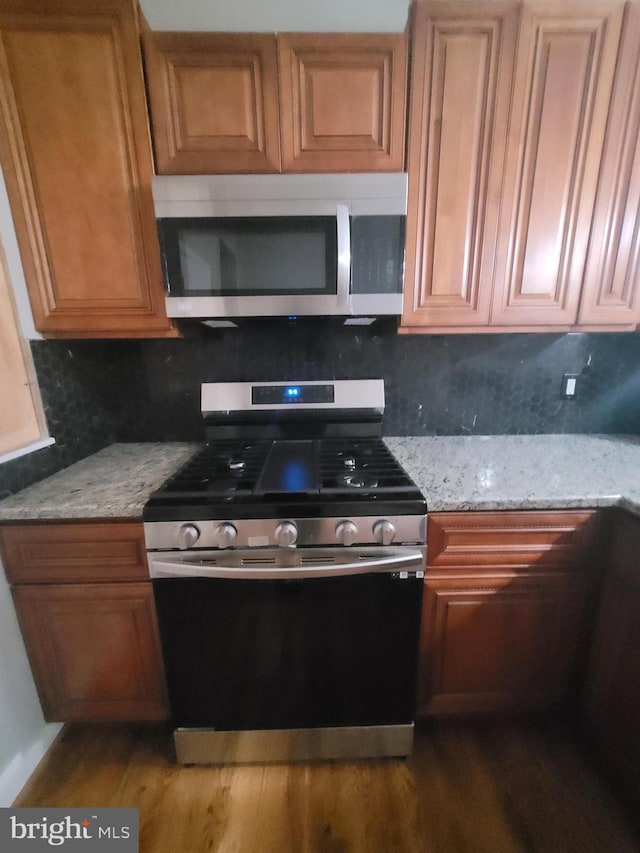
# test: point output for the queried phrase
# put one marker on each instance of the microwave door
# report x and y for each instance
(258, 266)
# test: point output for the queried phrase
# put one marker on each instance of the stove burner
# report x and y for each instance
(349, 462)
(358, 480)
(222, 484)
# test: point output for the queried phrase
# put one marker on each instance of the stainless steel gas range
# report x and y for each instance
(287, 559)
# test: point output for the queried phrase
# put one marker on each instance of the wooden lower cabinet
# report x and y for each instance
(500, 645)
(612, 695)
(503, 611)
(93, 646)
(93, 650)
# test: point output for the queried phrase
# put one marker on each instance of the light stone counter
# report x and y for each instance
(453, 472)
(522, 471)
(113, 483)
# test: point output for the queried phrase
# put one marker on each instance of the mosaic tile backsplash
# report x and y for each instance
(98, 392)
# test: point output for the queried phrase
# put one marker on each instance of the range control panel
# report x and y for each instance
(270, 395)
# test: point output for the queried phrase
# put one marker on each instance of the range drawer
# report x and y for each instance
(68, 553)
(509, 542)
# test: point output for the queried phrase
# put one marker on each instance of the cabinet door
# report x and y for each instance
(612, 693)
(214, 102)
(342, 101)
(498, 644)
(611, 292)
(462, 64)
(565, 65)
(94, 650)
(75, 150)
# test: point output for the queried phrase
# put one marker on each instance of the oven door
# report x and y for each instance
(290, 638)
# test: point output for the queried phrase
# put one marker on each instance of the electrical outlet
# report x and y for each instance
(570, 385)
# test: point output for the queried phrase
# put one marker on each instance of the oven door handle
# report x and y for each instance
(400, 561)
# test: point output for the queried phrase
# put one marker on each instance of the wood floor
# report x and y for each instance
(497, 787)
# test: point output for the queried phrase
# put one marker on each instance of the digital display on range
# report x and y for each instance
(274, 395)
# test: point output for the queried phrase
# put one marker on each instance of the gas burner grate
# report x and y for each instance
(219, 469)
(360, 465)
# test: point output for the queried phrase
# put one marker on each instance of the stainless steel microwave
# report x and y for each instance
(282, 245)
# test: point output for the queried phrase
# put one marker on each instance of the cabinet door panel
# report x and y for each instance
(62, 553)
(461, 76)
(497, 645)
(214, 102)
(611, 292)
(564, 74)
(342, 102)
(77, 162)
(494, 543)
(94, 650)
(612, 694)
(614, 698)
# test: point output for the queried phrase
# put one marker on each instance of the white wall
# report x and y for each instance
(24, 735)
(277, 15)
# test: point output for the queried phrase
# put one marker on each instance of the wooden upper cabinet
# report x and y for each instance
(563, 80)
(611, 292)
(462, 63)
(342, 101)
(214, 102)
(231, 102)
(75, 151)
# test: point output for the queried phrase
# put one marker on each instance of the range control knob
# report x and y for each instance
(188, 535)
(384, 531)
(225, 535)
(346, 531)
(286, 534)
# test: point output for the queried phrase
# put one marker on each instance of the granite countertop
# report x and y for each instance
(522, 471)
(453, 472)
(113, 483)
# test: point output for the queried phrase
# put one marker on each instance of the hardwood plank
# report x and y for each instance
(473, 786)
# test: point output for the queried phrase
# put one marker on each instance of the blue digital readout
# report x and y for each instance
(292, 395)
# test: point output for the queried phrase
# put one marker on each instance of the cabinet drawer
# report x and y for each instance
(64, 553)
(508, 542)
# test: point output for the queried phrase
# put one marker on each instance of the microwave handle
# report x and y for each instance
(344, 256)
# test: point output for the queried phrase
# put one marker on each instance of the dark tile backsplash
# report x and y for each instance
(98, 392)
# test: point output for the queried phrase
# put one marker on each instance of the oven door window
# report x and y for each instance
(289, 654)
(256, 256)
